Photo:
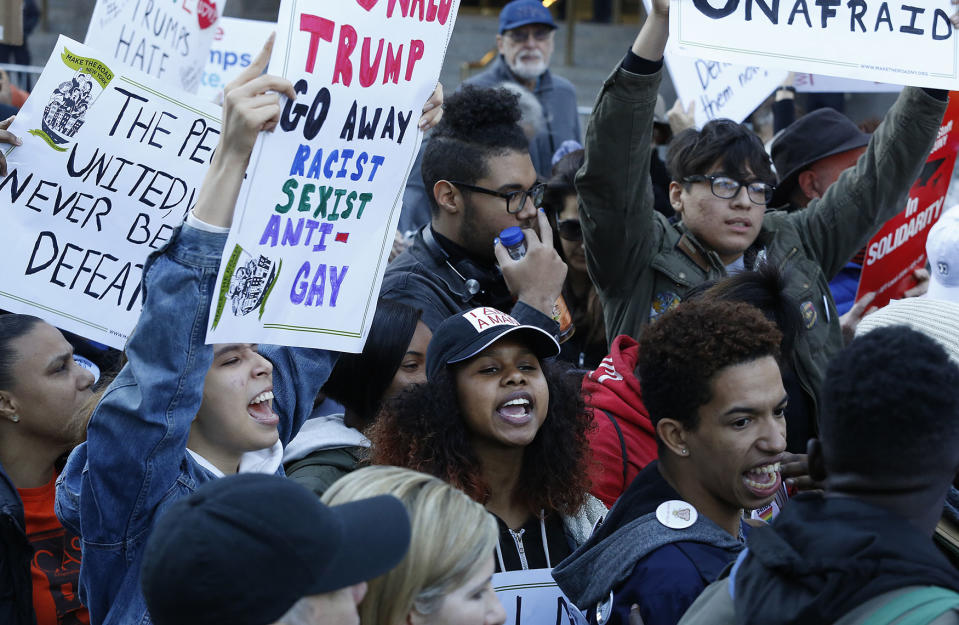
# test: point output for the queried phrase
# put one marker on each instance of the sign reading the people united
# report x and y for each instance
(109, 166)
(909, 43)
(316, 216)
(166, 39)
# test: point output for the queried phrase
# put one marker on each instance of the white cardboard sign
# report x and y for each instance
(720, 90)
(236, 42)
(315, 222)
(909, 43)
(532, 598)
(168, 40)
(109, 166)
(818, 83)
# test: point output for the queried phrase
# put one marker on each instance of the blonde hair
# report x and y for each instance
(451, 536)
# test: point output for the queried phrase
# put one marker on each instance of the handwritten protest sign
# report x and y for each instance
(818, 83)
(108, 168)
(236, 42)
(532, 598)
(720, 89)
(899, 248)
(166, 40)
(316, 219)
(896, 42)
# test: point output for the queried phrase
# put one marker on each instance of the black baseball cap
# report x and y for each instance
(466, 334)
(243, 549)
(814, 136)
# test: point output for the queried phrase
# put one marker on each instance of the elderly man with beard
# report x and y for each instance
(525, 43)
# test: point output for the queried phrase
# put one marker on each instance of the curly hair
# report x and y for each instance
(424, 429)
(722, 141)
(477, 123)
(890, 406)
(681, 352)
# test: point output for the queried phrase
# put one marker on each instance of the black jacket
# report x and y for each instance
(16, 586)
(822, 557)
(435, 280)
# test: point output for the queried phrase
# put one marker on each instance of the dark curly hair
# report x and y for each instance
(681, 351)
(424, 429)
(722, 141)
(477, 123)
(890, 407)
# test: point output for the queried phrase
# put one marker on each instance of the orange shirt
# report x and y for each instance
(55, 568)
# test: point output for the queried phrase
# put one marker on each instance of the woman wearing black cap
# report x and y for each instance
(502, 423)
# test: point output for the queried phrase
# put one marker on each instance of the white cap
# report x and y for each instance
(937, 319)
(942, 249)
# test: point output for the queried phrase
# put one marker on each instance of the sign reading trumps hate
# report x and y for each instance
(316, 217)
(108, 168)
(909, 42)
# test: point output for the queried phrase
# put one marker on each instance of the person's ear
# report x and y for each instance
(8, 406)
(447, 196)
(808, 181)
(673, 435)
(676, 196)
(817, 464)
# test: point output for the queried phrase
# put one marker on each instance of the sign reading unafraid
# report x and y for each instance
(108, 168)
(899, 248)
(167, 40)
(720, 90)
(316, 219)
(906, 42)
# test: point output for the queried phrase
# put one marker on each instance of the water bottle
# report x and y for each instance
(514, 241)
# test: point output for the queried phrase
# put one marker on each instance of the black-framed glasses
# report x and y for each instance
(570, 229)
(727, 188)
(515, 200)
(521, 34)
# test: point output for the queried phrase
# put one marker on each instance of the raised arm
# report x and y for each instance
(615, 191)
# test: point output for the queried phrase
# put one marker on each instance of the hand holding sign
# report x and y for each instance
(7, 137)
(433, 109)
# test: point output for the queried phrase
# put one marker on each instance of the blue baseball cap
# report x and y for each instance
(522, 13)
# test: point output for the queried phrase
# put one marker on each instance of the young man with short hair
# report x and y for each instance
(889, 452)
(643, 265)
(711, 382)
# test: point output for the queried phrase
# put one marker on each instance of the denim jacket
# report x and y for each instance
(135, 463)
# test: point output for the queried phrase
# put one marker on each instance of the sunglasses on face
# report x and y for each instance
(520, 35)
(570, 229)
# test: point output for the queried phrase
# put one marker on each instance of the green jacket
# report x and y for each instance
(642, 265)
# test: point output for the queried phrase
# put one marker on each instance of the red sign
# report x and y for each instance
(899, 248)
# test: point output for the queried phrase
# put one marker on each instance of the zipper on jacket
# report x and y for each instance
(518, 541)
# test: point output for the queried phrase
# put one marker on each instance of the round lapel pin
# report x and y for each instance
(676, 514)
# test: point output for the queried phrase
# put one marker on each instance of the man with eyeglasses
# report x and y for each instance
(722, 182)
(480, 180)
(525, 44)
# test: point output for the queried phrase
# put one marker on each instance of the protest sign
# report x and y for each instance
(532, 597)
(719, 90)
(108, 168)
(316, 219)
(903, 43)
(167, 40)
(818, 83)
(236, 42)
(899, 248)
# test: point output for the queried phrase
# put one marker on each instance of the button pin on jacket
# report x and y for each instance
(676, 514)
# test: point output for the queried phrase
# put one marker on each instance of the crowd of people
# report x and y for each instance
(670, 409)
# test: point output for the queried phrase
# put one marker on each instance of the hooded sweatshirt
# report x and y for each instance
(823, 557)
(612, 392)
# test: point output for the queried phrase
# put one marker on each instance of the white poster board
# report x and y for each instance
(236, 42)
(316, 220)
(532, 598)
(169, 41)
(719, 90)
(109, 166)
(818, 83)
(903, 43)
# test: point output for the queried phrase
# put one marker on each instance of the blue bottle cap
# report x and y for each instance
(512, 236)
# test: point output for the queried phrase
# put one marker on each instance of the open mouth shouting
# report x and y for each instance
(260, 409)
(763, 480)
(517, 409)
